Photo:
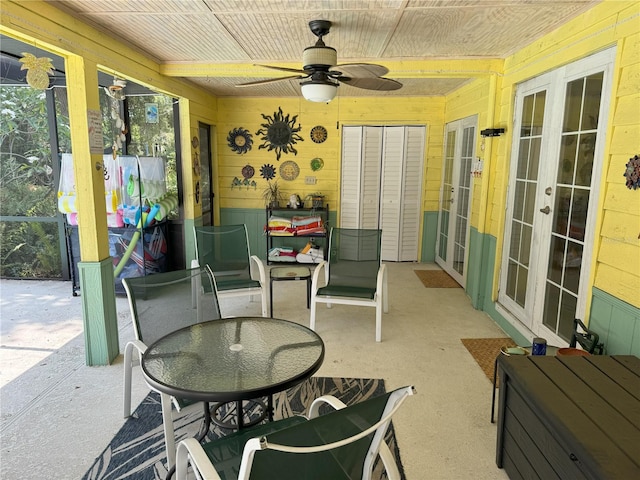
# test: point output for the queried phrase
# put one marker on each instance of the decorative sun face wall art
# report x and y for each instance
(280, 133)
(240, 140)
(318, 134)
(267, 171)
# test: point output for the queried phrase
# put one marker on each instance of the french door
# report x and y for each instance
(560, 122)
(455, 198)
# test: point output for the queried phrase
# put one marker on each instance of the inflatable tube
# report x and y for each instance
(132, 244)
(165, 205)
(127, 253)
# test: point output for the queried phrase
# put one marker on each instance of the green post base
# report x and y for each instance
(99, 311)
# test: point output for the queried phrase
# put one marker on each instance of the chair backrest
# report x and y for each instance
(225, 249)
(588, 339)
(354, 257)
(344, 452)
(162, 303)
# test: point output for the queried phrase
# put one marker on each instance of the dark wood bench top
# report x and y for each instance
(591, 403)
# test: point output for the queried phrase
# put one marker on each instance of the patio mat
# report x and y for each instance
(436, 279)
(485, 351)
(137, 451)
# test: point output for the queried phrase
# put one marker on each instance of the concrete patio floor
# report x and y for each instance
(57, 414)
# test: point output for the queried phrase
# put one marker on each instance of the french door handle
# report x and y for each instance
(451, 200)
(546, 210)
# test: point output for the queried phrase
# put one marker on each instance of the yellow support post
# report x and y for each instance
(95, 268)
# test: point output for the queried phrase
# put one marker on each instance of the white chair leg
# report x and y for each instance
(312, 323)
(169, 434)
(127, 379)
(265, 312)
(385, 297)
(379, 321)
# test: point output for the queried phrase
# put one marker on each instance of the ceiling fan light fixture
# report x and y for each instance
(319, 91)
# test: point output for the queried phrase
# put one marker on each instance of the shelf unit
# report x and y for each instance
(297, 241)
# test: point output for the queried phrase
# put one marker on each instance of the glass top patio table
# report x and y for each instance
(232, 359)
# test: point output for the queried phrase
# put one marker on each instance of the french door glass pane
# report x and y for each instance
(463, 194)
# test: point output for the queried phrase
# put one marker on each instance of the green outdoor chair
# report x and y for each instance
(236, 272)
(354, 274)
(160, 304)
(342, 444)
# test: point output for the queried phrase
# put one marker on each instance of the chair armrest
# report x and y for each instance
(314, 410)
(128, 349)
(316, 276)
(381, 287)
(261, 270)
(190, 451)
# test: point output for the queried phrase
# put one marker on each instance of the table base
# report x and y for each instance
(239, 414)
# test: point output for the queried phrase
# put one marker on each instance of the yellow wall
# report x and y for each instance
(247, 113)
(477, 98)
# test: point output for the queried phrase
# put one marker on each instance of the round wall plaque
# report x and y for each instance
(318, 134)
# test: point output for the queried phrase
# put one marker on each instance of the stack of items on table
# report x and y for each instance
(289, 227)
(296, 226)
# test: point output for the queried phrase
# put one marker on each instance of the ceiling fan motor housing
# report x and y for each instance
(319, 57)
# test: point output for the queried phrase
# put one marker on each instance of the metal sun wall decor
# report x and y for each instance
(240, 140)
(267, 171)
(280, 133)
(632, 173)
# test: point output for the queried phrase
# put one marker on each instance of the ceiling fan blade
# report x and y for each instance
(361, 70)
(371, 83)
(271, 80)
(283, 69)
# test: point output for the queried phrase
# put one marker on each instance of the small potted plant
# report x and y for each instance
(272, 194)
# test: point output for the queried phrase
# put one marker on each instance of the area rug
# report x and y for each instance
(436, 279)
(485, 351)
(137, 451)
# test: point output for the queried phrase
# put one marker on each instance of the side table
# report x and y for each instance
(277, 274)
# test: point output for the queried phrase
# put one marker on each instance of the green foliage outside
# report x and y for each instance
(27, 187)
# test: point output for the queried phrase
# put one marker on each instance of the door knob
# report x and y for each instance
(545, 210)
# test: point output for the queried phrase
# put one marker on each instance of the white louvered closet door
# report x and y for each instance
(351, 177)
(387, 192)
(411, 208)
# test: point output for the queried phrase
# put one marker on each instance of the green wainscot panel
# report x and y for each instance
(99, 313)
(429, 235)
(483, 273)
(617, 323)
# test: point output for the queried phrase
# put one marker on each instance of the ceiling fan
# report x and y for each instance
(321, 75)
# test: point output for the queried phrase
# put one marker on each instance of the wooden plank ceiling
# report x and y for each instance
(431, 46)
